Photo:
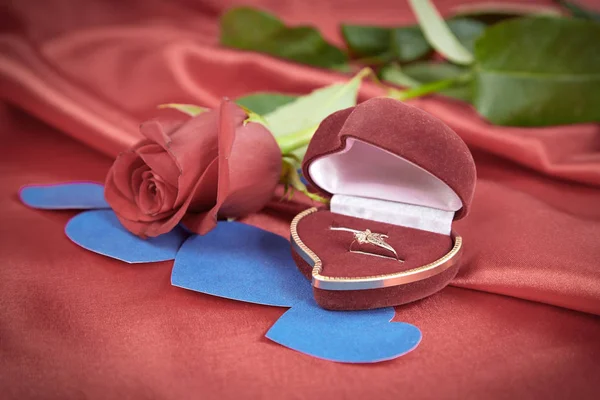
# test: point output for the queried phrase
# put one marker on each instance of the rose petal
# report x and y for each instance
(159, 131)
(254, 171)
(195, 146)
(121, 171)
(137, 179)
(118, 190)
(229, 118)
(206, 182)
(168, 194)
(249, 164)
(149, 199)
(127, 207)
(231, 121)
(159, 161)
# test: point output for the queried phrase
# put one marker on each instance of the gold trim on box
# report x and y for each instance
(368, 282)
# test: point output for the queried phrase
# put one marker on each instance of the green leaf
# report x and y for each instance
(366, 41)
(493, 12)
(425, 78)
(265, 102)
(433, 71)
(467, 31)
(250, 29)
(377, 45)
(294, 119)
(419, 73)
(408, 44)
(438, 34)
(539, 71)
(578, 11)
(294, 123)
(188, 109)
(395, 74)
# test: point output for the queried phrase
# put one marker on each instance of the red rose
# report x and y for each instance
(193, 171)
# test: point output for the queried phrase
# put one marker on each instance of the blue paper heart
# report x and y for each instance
(65, 196)
(101, 232)
(344, 336)
(244, 263)
(241, 262)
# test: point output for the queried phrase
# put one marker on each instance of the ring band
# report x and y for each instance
(368, 237)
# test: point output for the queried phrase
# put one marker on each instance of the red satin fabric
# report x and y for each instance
(74, 324)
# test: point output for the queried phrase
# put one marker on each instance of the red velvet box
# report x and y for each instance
(395, 170)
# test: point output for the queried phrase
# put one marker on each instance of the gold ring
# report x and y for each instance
(368, 237)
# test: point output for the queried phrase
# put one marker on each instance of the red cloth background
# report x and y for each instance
(520, 322)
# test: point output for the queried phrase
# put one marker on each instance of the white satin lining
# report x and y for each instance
(369, 177)
(390, 212)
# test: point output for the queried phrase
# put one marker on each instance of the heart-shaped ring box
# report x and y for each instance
(395, 170)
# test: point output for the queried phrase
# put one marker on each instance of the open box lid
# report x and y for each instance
(386, 150)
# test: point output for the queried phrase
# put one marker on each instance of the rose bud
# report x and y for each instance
(212, 165)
